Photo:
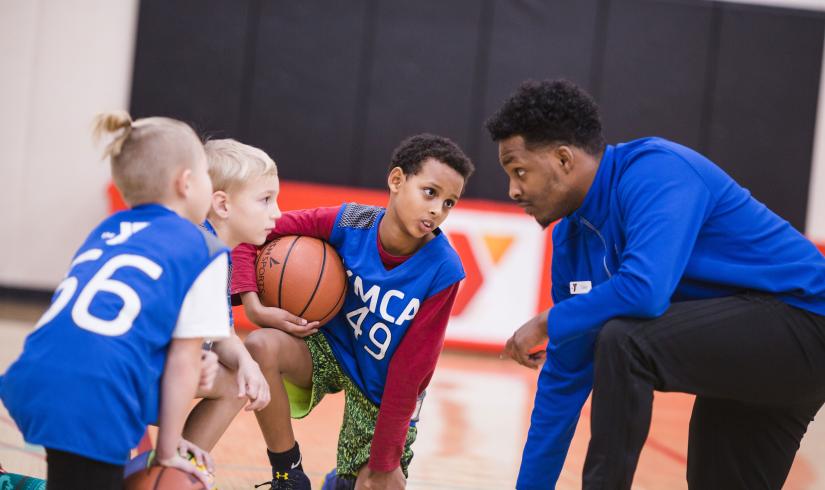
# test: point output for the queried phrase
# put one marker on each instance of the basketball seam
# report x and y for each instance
(320, 276)
(283, 269)
(340, 301)
(160, 475)
(343, 292)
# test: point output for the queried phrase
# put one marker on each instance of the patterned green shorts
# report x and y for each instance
(360, 414)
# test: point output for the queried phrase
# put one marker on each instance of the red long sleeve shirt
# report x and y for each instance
(413, 363)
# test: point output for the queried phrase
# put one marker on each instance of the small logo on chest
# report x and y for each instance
(580, 287)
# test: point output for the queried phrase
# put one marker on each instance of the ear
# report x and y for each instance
(220, 204)
(566, 158)
(182, 182)
(396, 179)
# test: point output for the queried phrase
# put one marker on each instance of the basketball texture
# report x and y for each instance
(162, 478)
(302, 275)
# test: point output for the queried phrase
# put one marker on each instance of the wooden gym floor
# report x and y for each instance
(473, 425)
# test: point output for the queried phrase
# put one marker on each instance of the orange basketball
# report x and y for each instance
(162, 478)
(302, 275)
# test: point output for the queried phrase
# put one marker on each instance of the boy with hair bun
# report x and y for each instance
(120, 345)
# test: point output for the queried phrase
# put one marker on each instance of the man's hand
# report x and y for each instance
(209, 370)
(252, 384)
(380, 480)
(525, 339)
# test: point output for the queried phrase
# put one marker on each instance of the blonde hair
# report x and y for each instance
(231, 163)
(145, 153)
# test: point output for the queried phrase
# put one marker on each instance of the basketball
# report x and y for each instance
(162, 478)
(303, 275)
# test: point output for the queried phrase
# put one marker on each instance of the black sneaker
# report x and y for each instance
(334, 482)
(288, 480)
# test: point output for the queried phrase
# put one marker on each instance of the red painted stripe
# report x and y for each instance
(467, 345)
(666, 451)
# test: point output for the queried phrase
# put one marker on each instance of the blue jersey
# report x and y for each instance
(660, 224)
(88, 379)
(380, 304)
(206, 225)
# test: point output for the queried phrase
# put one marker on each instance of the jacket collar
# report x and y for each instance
(596, 206)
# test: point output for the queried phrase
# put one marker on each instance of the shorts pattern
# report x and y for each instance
(360, 414)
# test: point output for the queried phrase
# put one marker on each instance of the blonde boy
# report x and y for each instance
(244, 209)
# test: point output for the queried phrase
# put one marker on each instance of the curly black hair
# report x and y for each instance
(411, 153)
(549, 112)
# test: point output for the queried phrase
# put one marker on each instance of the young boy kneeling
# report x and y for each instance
(382, 347)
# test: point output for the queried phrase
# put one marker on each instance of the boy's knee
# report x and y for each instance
(262, 346)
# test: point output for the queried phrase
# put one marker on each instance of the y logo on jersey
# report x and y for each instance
(127, 229)
(580, 287)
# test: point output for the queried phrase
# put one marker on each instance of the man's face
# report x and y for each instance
(539, 181)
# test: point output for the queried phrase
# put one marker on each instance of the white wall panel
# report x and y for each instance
(69, 60)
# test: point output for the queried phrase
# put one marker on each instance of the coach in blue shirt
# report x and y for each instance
(667, 275)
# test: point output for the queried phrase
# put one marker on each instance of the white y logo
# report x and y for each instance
(127, 229)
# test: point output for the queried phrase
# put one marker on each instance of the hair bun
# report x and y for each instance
(112, 122)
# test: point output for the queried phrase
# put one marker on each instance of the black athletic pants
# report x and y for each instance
(69, 471)
(756, 366)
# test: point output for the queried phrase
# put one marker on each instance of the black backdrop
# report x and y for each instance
(330, 88)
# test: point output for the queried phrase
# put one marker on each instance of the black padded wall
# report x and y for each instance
(190, 62)
(330, 88)
(528, 39)
(420, 78)
(761, 128)
(655, 70)
(305, 86)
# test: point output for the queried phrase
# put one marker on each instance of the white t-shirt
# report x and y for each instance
(205, 312)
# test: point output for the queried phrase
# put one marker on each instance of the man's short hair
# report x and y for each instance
(547, 113)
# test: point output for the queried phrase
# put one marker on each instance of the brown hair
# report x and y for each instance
(145, 153)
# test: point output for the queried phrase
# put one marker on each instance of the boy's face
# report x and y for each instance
(423, 200)
(253, 209)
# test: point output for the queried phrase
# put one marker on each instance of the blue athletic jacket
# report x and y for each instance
(660, 224)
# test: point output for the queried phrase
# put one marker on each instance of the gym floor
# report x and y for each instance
(473, 425)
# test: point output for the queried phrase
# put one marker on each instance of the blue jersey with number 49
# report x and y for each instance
(380, 304)
(88, 379)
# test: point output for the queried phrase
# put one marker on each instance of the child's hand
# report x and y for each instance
(283, 320)
(181, 461)
(252, 385)
(379, 480)
(268, 316)
(209, 370)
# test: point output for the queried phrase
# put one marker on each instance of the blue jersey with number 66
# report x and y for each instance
(88, 379)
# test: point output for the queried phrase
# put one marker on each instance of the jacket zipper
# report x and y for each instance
(604, 243)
